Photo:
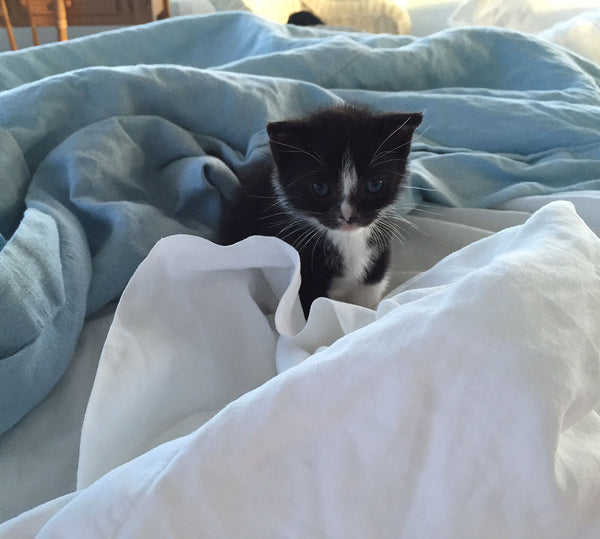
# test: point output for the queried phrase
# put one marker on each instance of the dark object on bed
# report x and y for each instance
(304, 18)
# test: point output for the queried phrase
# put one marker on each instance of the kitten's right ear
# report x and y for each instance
(286, 132)
(287, 140)
(274, 129)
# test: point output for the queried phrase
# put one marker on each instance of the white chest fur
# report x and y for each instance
(357, 255)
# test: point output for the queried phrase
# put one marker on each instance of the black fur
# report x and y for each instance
(280, 199)
(304, 18)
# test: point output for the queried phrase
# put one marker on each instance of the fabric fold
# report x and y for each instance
(126, 137)
(464, 407)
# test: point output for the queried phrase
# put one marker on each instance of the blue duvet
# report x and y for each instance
(111, 142)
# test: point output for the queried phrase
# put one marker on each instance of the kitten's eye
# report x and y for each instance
(321, 188)
(374, 186)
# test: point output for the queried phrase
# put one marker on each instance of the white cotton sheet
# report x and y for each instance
(580, 34)
(39, 456)
(587, 204)
(463, 407)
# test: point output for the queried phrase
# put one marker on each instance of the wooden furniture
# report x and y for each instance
(63, 13)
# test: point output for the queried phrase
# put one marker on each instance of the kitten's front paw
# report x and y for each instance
(365, 295)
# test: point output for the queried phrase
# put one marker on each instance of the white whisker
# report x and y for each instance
(296, 149)
(426, 212)
(417, 188)
(376, 154)
(420, 135)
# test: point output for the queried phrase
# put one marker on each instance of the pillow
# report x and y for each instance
(376, 16)
(191, 7)
(524, 15)
(580, 34)
(276, 10)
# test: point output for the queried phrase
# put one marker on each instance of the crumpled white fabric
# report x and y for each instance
(463, 407)
(580, 34)
(523, 15)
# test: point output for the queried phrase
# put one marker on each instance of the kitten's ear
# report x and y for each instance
(286, 131)
(286, 138)
(405, 122)
(394, 132)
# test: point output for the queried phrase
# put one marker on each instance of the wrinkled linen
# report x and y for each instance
(114, 141)
(39, 456)
(463, 407)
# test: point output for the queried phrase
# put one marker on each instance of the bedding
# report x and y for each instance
(580, 34)
(462, 407)
(524, 15)
(575, 26)
(116, 141)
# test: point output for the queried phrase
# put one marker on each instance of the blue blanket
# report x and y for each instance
(111, 142)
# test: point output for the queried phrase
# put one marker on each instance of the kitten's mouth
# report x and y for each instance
(346, 227)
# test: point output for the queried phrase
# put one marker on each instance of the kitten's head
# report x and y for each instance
(343, 165)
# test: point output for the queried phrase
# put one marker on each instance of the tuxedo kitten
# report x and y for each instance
(329, 192)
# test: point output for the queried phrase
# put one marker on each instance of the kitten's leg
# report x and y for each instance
(371, 290)
(378, 270)
(310, 289)
(367, 295)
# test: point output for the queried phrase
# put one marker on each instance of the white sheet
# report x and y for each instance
(581, 34)
(463, 408)
(524, 15)
(39, 456)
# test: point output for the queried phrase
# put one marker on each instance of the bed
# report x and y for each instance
(155, 384)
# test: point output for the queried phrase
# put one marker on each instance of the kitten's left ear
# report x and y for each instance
(405, 122)
(394, 132)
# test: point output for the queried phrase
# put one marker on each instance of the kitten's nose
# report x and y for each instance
(346, 210)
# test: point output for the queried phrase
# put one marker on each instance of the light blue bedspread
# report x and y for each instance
(110, 142)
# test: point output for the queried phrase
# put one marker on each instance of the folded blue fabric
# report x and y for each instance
(110, 142)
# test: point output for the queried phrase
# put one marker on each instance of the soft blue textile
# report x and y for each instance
(110, 142)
